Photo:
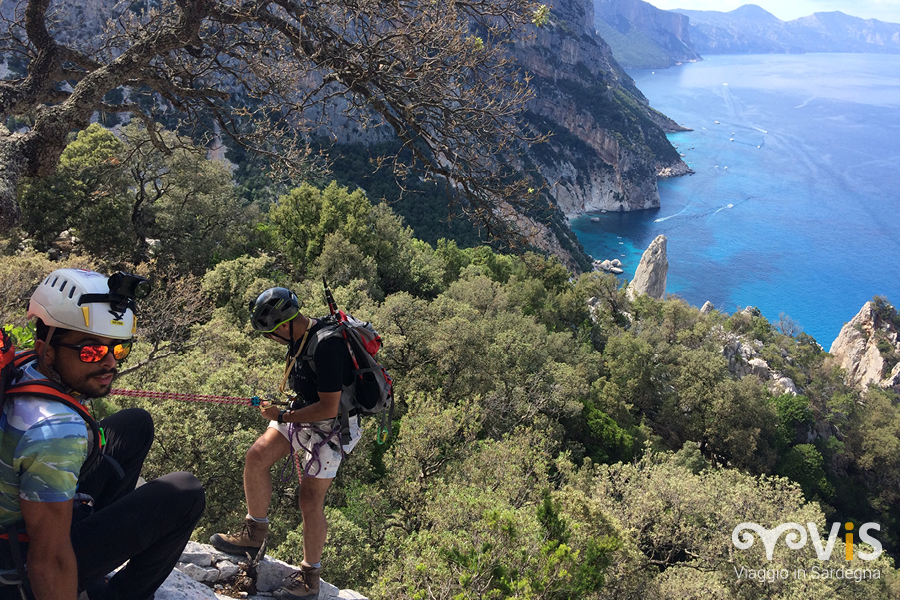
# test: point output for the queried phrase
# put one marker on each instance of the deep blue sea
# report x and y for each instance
(795, 203)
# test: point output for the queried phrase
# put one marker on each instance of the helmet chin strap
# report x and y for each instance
(46, 369)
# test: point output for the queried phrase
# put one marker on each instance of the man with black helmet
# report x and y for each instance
(311, 428)
(71, 540)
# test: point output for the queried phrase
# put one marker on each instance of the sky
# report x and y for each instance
(883, 10)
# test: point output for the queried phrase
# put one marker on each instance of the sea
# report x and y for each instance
(794, 204)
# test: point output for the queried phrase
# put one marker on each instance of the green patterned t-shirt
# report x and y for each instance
(42, 447)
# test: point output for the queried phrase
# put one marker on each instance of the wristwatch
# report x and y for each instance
(281, 416)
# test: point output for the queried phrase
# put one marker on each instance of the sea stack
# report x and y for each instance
(650, 277)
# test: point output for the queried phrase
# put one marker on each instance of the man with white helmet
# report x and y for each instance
(83, 517)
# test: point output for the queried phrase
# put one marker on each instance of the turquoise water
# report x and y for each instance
(794, 206)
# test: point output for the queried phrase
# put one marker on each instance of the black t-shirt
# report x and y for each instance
(334, 368)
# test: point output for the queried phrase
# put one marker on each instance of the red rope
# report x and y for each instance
(183, 397)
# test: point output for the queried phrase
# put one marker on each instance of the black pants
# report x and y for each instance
(148, 526)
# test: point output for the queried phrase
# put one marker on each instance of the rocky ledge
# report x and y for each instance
(204, 573)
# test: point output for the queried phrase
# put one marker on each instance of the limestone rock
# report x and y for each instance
(650, 277)
(198, 573)
(179, 586)
(194, 553)
(760, 368)
(856, 348)
(271, 573)
(227, 569)
(707, 308)
(781, 384)
(893, 380)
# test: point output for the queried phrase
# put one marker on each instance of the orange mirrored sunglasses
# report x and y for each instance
(91, 353)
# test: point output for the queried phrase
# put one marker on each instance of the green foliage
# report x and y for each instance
(886, 311)
(676, 526)
(425, 206)
(804, 464)
(338, 234)
(605, 441)
(793, 415)
(124, 200)
(87, 192)
(19, 276)
(21, 337)
(232, 285)
(751, 323)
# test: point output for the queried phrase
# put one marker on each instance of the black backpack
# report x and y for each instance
(372, 390)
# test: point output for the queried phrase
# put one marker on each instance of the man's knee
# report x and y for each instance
(267, 450)
(312, 494)
(184, 494)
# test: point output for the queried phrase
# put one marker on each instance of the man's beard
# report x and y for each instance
(86, 387)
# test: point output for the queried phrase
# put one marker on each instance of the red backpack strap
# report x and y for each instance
(25, 357)
(51, 391)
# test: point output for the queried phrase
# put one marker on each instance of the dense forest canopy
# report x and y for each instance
(553, 439)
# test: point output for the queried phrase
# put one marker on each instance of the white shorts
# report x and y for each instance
(306, 439)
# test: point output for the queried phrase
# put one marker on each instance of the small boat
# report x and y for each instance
(595, 219)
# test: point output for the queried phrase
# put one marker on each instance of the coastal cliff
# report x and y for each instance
(608, 146)
(868, 347)
(642, 36)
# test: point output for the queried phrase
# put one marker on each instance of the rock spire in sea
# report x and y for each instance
(650, 277)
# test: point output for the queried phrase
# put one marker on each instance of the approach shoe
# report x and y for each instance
(247, 541)
(300, 585)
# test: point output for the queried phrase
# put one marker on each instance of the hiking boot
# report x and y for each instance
(247, 541)
(300, 585)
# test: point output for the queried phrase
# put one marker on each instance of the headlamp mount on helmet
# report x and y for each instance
(124, 289)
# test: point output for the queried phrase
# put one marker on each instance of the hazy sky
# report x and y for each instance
(883, 10)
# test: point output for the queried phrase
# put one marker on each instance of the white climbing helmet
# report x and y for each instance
(89, 302)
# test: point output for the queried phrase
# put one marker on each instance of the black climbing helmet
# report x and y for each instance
(272, 308)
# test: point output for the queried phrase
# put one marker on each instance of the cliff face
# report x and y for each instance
(643, 36)
(868, 348)
(608, 145)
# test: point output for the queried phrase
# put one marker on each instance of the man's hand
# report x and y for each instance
(52, 567)
(268, 410)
